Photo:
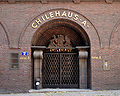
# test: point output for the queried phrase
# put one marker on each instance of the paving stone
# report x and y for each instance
(65, 93)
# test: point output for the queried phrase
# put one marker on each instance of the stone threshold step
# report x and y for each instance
(58, 90)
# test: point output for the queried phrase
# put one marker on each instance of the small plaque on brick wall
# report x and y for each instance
(24, 53)
(97, 57)
(24, 58)
(106, 66)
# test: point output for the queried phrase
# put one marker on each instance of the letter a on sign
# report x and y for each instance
(84, 23)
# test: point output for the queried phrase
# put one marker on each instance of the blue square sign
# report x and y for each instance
(24, 53)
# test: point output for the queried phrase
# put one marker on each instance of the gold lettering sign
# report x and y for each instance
(61, 50)
(24, 58)
(97, 57)
(58, 13)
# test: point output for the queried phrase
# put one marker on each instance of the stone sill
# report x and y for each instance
(58, 90)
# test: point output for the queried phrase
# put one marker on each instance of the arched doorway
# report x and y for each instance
(60, 64)
(61, 55)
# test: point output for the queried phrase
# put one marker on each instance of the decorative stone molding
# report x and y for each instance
(3, 25)
(60, 41)
(76, 1)
(11, 1)
(65, 16)
(109, 1)
(83, 55)
(113, 40)
(38, 54)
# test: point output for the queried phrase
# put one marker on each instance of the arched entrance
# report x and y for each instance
(60, 64)
(61, 55)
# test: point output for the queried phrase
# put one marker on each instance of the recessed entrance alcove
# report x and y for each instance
(61, 55)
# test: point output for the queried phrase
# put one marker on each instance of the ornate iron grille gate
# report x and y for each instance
(60, 70)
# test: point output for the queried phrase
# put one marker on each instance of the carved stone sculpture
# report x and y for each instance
(60, 41)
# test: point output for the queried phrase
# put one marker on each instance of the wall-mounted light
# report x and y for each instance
(37, 83)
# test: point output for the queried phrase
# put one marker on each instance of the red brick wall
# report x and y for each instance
(15, 19)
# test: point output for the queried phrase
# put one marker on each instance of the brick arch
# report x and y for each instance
(4, 34)
(60, 27)
(114, 40)
(89, 28)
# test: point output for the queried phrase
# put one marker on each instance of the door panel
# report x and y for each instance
(51, 77)
(69, 70)
(60, 70)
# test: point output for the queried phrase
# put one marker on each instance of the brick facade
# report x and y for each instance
(17, 34)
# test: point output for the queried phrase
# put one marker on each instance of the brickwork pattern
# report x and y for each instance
(17, 17)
